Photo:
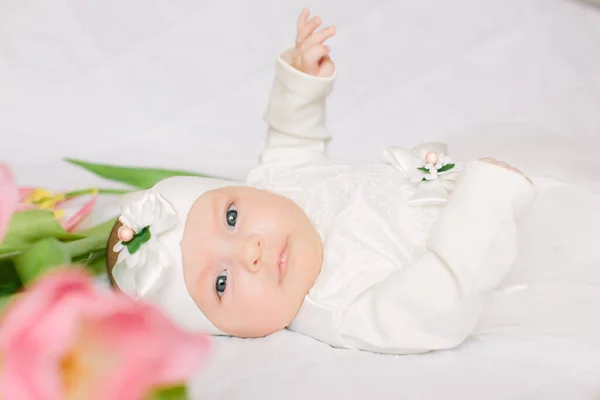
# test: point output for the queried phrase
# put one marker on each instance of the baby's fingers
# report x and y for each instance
(307, 29)
(319, 37)
(327, 67)
(302, 19)
(313, 56)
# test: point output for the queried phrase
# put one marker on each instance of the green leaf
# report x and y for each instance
(41, 257)
(92, 239)
(142, 178)
(9, 288)
(95, 241)
(27, 227)
(423, 169)
(9, 252)
(446, 167)
(171, 393)
(94, 262)
(102, 229)
(83, 192)
(83, 247)
(10, 282)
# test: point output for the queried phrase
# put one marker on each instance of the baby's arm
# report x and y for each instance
(304, 78)
(435, 303)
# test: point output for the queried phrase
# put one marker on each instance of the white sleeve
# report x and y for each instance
(296, 114)
(436, 302)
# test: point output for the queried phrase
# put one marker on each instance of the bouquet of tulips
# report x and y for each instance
(62, 336)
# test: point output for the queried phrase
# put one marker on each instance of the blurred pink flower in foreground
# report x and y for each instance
(8, 198)
(66, 339)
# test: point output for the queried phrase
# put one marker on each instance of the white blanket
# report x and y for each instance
(155, 83)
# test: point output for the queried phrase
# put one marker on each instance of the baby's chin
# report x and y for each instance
(257, 330)
(262, 323)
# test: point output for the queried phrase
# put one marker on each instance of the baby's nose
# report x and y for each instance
(252, 253)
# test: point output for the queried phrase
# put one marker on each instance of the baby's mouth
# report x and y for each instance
(283, 261)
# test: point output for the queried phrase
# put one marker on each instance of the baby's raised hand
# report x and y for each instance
(502, 164)
(311, 55)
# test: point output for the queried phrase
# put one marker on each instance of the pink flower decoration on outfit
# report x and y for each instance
(64, 338)
(429, 170)
(431, 157)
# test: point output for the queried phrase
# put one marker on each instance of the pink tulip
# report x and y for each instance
(15, 199)
(9, 196)
(38, 198)
(66, 339)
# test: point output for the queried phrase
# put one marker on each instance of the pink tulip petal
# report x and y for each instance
(126, 347)
(155, 351)
(24, 192)
(8, 198)
(23, 314)
(34, 340)
(72, 223)
(25, 207)
(63, 202)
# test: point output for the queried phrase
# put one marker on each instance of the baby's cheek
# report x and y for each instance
(260, 308)
(255, 290)
(261, 296)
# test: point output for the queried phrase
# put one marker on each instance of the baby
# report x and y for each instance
(395, 257)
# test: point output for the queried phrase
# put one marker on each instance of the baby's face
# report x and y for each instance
(249, 258)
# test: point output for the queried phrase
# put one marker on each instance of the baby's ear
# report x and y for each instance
(111, 256)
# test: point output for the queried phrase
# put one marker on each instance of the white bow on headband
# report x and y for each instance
(145, 217)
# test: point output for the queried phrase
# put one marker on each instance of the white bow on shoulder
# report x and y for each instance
(431, 172)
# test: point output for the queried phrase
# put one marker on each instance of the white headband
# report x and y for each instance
(154, 272)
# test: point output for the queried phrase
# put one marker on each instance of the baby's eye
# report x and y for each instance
(221, 283)
(231, 216)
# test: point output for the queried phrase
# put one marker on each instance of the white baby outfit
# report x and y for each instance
(411, 249)
(400, 275)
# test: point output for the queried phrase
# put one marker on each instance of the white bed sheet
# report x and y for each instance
(538, 339)
(184, 84)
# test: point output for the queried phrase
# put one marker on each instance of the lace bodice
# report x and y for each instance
(362, 215)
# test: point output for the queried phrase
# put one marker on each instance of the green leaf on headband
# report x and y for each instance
(423, 169)
(171, 393)
(41, 257)
(139, 177)
(446, 167)
(138, 240)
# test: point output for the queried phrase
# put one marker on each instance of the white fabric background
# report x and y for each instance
(184, 84)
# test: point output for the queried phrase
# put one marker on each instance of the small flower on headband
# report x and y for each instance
(132, 240)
